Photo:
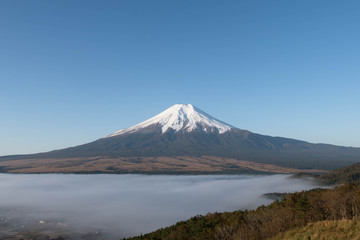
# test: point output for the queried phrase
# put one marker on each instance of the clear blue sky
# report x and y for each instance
(74, 71)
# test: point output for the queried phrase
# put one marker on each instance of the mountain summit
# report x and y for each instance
(179, 118)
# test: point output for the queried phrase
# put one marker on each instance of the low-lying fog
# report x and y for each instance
(127, 205)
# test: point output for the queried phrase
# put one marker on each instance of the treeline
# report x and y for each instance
(295, 210)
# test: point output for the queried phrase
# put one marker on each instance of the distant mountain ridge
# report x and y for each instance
(184, 130)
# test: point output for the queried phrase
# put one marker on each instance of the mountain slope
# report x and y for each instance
(184, 130)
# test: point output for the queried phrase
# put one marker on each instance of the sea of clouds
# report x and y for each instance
(127, 205)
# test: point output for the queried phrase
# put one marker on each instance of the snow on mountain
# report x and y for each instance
(180, 117)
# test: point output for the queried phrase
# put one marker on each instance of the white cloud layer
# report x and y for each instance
(126, 205)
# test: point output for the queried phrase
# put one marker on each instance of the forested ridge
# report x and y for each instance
(349, 174)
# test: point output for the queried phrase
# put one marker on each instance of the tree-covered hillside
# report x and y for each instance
(349, 174)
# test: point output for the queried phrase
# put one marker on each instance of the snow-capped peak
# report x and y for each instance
(180, 117)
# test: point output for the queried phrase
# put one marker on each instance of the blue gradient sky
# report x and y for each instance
(74, 71)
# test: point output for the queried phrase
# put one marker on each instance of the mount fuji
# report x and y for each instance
(180, 118)
(184, 139)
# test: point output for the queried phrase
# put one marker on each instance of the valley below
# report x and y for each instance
(108, 206)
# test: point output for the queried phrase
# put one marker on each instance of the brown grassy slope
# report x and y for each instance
(177, 164)
(324, 230)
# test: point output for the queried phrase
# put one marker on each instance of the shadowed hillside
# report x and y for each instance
(349, 174)
(238, 145)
